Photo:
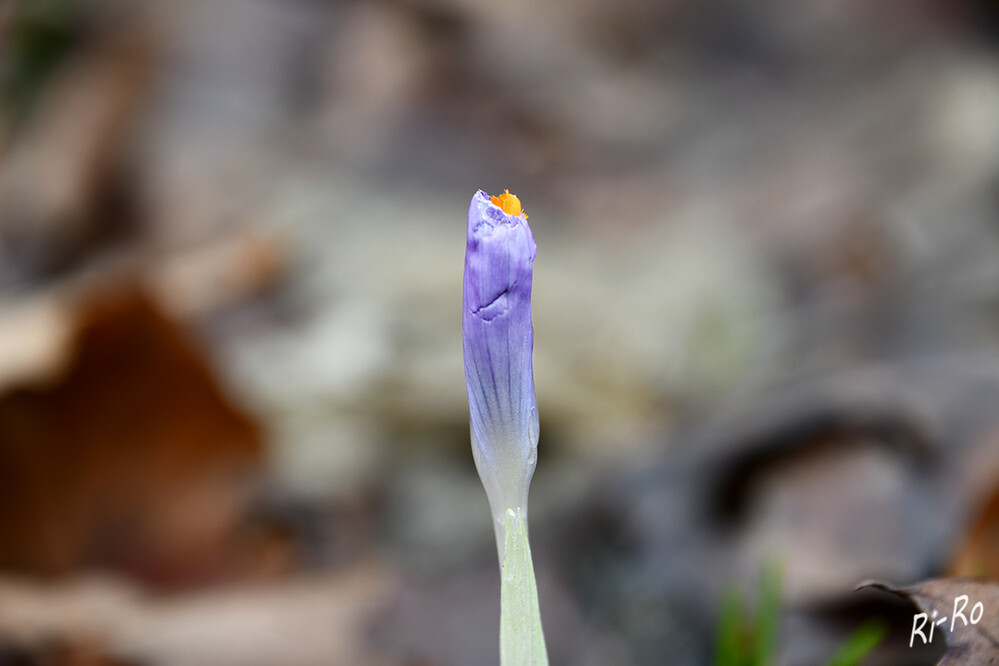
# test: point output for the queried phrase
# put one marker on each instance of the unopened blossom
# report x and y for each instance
(498, 340)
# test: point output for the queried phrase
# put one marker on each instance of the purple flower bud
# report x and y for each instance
(498, 340)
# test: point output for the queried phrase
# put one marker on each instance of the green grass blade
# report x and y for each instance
(860, 644)
(727, 651)
(767, 617)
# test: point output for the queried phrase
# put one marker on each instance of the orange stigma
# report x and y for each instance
(508, 203)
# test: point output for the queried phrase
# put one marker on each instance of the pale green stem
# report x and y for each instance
(522, 643)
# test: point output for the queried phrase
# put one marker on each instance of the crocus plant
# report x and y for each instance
(498, 341)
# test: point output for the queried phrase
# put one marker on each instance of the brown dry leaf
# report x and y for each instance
(306, 621)
(65, 182)
(133, 459)
(970, 643)
(979, 554)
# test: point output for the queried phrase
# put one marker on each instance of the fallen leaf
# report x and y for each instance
(66, 184)
(132, 459)
(971, 641)
(977, 553)
(311, 620)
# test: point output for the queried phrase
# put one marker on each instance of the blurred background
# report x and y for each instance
(233, 427)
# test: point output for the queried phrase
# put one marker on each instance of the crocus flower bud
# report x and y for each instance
(498, 340)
